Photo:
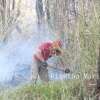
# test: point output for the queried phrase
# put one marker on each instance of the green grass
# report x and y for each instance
(65, 90)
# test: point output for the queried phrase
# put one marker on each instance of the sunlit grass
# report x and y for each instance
(65, 90)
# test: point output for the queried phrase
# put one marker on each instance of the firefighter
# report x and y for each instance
(45, 51)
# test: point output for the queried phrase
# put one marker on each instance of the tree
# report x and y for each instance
(98, 70)
(9, 13)
(39, 11)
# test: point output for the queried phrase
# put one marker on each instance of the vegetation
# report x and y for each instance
(66, 90)
(9, 13)
(77, 23)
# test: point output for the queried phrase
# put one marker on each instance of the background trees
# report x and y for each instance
(9, 13)
(77, 23)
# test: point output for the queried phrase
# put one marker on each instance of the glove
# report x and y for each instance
(67, 70)
(44, 64)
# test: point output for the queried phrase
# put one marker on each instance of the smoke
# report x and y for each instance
(18, 51)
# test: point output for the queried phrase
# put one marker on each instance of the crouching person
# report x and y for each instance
(46, 51)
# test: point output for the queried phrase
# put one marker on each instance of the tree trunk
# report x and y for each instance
(9, 13)
(98, 70)
(39, 11)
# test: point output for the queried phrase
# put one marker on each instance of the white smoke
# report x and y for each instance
(18, 50)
